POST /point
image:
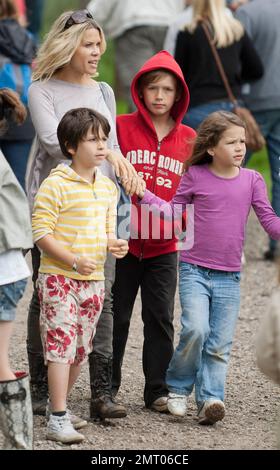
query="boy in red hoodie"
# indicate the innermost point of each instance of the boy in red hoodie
(157, 144)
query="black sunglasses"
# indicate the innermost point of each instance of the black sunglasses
(78, 17)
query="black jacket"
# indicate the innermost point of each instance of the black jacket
(16, 43)
(18, 47)
(240, 60)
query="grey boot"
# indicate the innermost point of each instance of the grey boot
(38, 383)
(16, 419)
(102, 404)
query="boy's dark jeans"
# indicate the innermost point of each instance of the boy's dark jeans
(102, 343)
(157, 278)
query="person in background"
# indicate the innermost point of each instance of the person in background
(156, 143)
(138, 32)
(21, 11)
(64, 73)
(34, 17)
(17, 50)
(71, 273)
(15, 235)
(260, 20)
(235, 4)
(222, 193)
(181, 19)
(194, 55)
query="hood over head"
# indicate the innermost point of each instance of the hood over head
(162, 60)
(16, 43)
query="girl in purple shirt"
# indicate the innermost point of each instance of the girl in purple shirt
(222, 194)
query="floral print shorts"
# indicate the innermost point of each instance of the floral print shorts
(69, 313)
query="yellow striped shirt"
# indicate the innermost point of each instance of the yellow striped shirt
(79, 215)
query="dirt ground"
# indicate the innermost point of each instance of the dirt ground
(251, 400)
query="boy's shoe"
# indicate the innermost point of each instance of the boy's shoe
(160, 404)
(177, 404)
(76, 421)
(213, 410)
(60, 429)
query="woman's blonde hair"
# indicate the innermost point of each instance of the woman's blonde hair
(226, 28)
(61, 44)
(209, 134)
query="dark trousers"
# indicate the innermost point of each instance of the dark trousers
(157, 278)
(102, 342)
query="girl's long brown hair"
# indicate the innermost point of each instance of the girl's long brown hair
(208, 135)
(11, 105)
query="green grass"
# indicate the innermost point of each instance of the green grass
(259, 161)
(54, 8)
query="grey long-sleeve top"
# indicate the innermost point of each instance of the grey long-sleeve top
(48, 102)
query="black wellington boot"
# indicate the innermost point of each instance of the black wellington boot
(102, 404)
(38, 383)
(37, 369)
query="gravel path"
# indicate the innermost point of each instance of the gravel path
(251, 400)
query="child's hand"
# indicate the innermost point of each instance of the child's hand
(142, 188)
(134, 185)
(118, 248)
(130, 185)
(85, 266)
(123, 168)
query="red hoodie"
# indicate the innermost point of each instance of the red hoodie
(160, 163)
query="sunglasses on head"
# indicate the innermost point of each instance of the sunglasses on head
(78, 17)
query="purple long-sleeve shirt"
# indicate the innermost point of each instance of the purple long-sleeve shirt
(221, 209)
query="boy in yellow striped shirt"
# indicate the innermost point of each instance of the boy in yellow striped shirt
(73, 224)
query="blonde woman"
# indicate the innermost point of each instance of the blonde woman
(64, 67)
(193, 53)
